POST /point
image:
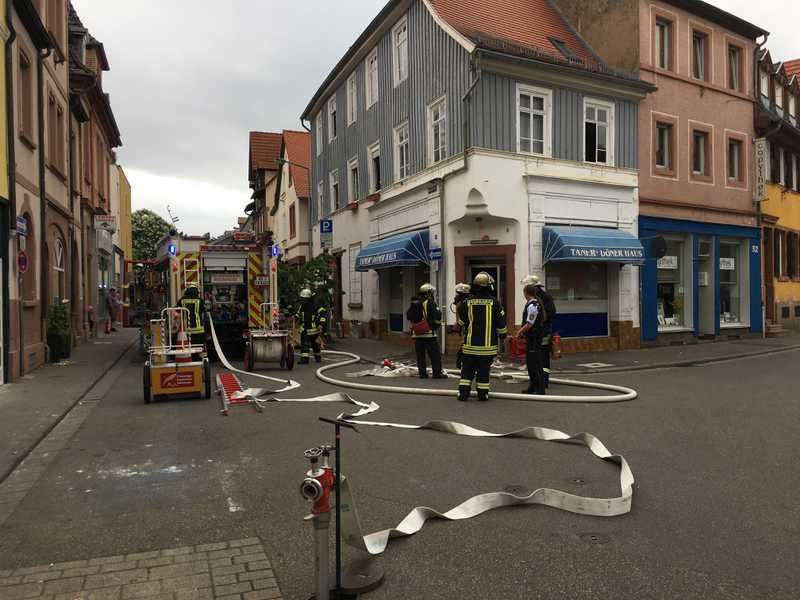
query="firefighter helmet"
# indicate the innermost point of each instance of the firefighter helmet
(462, 288)
(483, 279)
(531, 280)
(426, 288)
(305, 293)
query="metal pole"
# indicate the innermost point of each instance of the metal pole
(337, 487)
(321, 524)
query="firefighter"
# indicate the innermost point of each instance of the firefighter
(462, 293)
(548, 306)
(483, 321)
(532, 327)
(313, 323)
(426, 318)
(195, 325)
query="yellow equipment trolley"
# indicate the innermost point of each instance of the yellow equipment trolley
(174, 367)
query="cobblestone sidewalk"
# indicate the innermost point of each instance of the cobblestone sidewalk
(234, 570)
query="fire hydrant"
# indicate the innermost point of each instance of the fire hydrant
(317, 488)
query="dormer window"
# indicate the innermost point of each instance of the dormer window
(764, 83)
(565, 50)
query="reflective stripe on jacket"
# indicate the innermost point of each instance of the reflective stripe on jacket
(483, 321)
(195, 321)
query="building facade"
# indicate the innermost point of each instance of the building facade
(778, 126)
(289, 212)
(262, 173)
(454, 138)
(695, 160)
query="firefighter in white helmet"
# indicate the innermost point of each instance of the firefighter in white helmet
(546, 316)
(426, 318)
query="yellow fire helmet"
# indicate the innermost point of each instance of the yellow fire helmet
(305, 293)
(531, 280)
(426, 288)
(483, 279)
(462, 288)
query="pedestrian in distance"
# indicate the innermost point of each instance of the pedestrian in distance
(110, 308)
(483, 321)
(532, 322)
(426, 318)
(548, 305)
(313, 321)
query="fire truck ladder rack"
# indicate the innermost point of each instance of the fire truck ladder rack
(228, 385)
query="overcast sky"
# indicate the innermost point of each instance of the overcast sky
(190, 78)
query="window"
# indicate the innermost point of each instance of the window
(774, 163)
(400, 51)
(437, 131)
(56, 23)
(334, 180)
(735, 156)
(332, 119)
(788, 170)
(598, 132)
(352, 180)
(318, 132)
(792, 105)
(355, 296)
(321, 212)
(86, 135)
(671, 291)
(700, 153)
(791, 255)
(25, 98)
(664, 146)
(778, 95)
(796, 172)
(372, 78)
(533, 120)
(61, 154)
(52, 131)
(778, 240)
(401, 148)
(699, 50)
(735, 68)
(764, 83)
(730, 296)
(352, 99)
(663, 43)
(292, 221)
(374, 154)
(57, 280)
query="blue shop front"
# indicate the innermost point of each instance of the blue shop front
(707, 284)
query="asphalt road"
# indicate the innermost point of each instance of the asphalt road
(713, 449)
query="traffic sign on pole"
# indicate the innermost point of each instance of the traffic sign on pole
(22, 261)
(326, 233)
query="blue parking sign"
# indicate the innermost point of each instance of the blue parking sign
(326, 226)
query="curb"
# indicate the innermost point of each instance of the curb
(23, 455)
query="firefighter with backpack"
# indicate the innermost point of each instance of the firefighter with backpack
(426, 318)
(483, 321)
(313, 321)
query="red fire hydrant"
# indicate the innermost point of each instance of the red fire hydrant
(317, 488)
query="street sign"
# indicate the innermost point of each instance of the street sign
(105, 222)
(326, 233)
(172, 249)
(22, 261)
(276, 251)
(435, 254)
(762, 170)
(22, 226)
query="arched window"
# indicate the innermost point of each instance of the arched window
(58, 279)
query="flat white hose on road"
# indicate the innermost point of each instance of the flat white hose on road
(622, 394)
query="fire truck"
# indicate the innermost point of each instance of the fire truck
(236, 277)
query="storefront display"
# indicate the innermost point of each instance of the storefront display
(729, 282)
(671, 290)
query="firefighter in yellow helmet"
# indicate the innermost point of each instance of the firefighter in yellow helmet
(313, 321)
(426, 318)
(483, 321)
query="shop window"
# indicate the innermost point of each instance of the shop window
(672, 294)
(730, 297)
(570, 282)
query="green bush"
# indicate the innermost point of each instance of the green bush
(59, 332)
(316, 274)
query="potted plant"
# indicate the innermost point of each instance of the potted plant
(58, 332)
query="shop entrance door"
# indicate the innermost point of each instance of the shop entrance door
(769, 273)
(494, 267)
(706, 274)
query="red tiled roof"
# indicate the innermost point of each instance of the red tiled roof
(298, 150)
(265, 148)
(792, 67)
(528, 24)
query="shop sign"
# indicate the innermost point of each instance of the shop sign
(22, 226)
(727, 264)
(227, 278)
(177, 380)
(435, 254)
(668, 262)
(762, 170)
(261, 281)
(377, 259)
(105, 222)
(633, 253)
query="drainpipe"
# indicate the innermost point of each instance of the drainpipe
(12, 189)
(42, 184)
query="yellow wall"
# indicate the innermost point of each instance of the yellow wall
(787, 291)
(3, 118)
(783, 204)
(125, 234)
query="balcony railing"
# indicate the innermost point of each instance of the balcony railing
(778, 111)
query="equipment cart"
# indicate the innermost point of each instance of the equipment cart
(270, 343)
(174, 367)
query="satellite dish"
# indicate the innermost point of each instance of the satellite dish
(658, 247)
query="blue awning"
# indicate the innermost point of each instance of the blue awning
(405, 249)
(582, 244)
